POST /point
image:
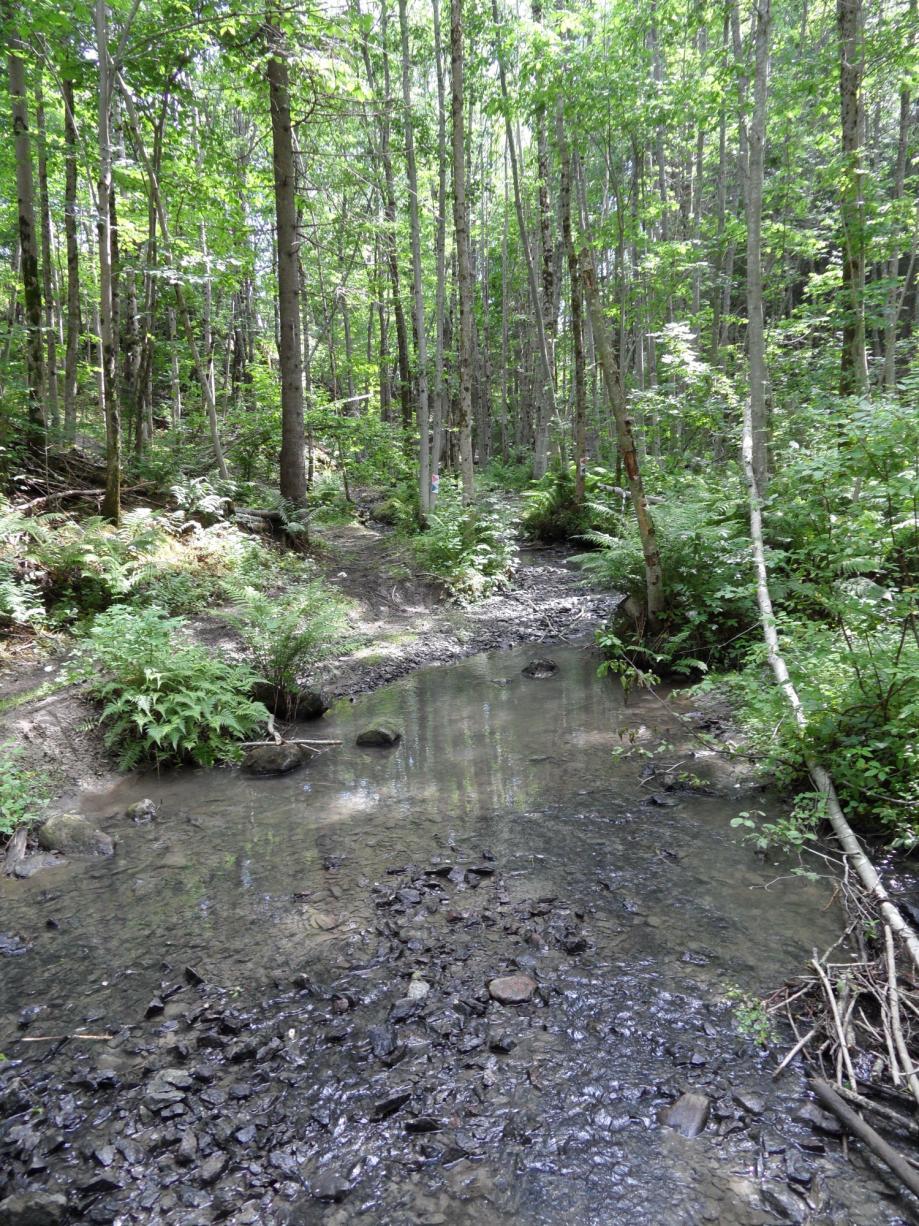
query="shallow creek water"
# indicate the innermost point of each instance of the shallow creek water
(500, 836)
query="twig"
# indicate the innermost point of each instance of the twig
(58, 1038)
(893, 996)
(843, 1046)
(794, 1051)
(292, 741)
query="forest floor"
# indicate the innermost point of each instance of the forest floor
(400, 620)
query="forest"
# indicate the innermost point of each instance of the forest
(342, 340)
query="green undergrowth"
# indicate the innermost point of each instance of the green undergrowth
(842, 538)
(472, 549)
(23, 792)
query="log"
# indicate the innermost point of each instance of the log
(861, 1129)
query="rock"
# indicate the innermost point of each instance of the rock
(749, 1101)
(389, 1105)
(417, 989)
(540, 668)
(783, 1202)
(512, 989)
(811, 1114)
(141, 811)
(74, 836)
(276, 759)
(798, 1170)
(28, 866)
(379, 736)
(33, 1209)
(291, 704)
(330, 1186)
(688, 1115)
(12, 945)
(213, 1168)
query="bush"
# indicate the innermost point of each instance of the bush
(708, 582)
(553, 515)
(287, 635)
(165, 701)
(473, 549)
(22, 792)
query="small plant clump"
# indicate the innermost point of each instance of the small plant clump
(472, 549)
(23, 792)
(163, 699)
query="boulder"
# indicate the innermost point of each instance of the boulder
(74, 836)
(291, 704)
(141, 811)
(33, 1209)
(688, 1115)
(380, 735)
(512, 989)
(540, 668)
(276, 759)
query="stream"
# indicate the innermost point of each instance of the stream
(293, 974)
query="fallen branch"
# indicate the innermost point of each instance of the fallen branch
(290, 741)
(863, 1130)
(60, 1038)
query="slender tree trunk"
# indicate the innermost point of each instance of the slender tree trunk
(53, 415)
(293, 470)
(440, 259)
(853, 378)
(654, 579)
(71, 352)
(577, 324)
(423, 416)
(464, 273)
(547, 398)
(111, 504)
(893, 265)
(28, 245)
(756, 345)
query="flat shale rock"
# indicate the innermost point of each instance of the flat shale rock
(540, 668)
(688, 1115)
(33, 1209)
(512, 989)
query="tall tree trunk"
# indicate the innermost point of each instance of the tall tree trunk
(53, 414)
(464, 272)
(28, 245)
(71, 352)
(756, 346)
(577, 323)
(423, 415)
(293, 470)
(547, 398)
(111, 503)
(853, 378)
(440, 259)
(893, 265)
(654, 578)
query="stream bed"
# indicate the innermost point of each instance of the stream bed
(293, 978)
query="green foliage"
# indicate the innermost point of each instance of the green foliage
(286, 635)
(753, 1018)
(514, 474)
(708, 581)
(472, 549)
(23, 792)
(164, 700)
(552, 513)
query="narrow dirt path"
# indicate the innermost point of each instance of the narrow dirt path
(407, 620)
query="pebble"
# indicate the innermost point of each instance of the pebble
(512, 989)
(688, 1115)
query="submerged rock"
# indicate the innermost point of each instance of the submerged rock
(74, 836)
(276, 759)
(141, 811)
(28, 866)
(380, 736)
(33, 1209)
(512, 989)
(539, 668)
(688, 1115)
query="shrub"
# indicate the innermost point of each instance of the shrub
(553, 515)
(286, 635)
(473, 549)
(164, 700)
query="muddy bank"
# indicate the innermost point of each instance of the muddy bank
(297, 978)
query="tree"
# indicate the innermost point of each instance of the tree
(293, 470)
(854, 369)
(108, 384)
(28, 243)
(756, 344)
(461, 233)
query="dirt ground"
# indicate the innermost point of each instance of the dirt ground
(403, 620)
